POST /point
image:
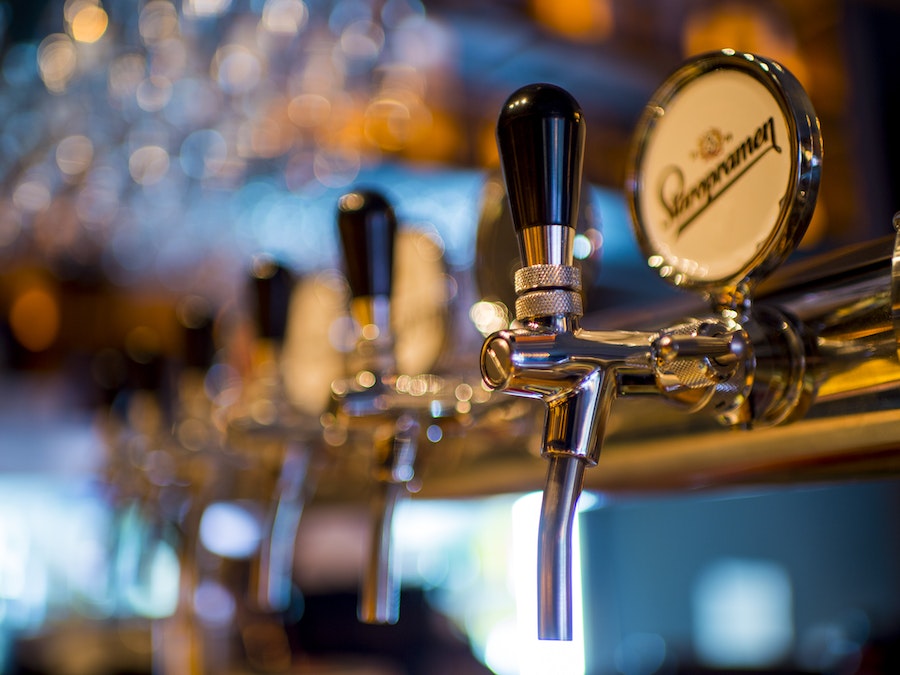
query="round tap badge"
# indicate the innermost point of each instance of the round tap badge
(724, 172)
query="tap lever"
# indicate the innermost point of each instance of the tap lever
(540, 135)
(368, 226)
(271, 286)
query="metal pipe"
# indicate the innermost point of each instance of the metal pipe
(846, 302)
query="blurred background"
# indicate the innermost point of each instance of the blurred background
(159, 159)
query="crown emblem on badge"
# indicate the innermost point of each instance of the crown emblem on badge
(711, 144)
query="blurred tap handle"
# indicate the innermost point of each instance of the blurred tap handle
(540, 137)
(197, 320)
(368, 227)
(271, 285)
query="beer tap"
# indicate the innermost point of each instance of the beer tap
(294, 472)
(742, 363)
(368, 226)
(253, 464)
(377, 405)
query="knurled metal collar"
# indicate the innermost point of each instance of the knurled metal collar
(548, 303)
(534, 277)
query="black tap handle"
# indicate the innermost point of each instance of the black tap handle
(197, 320)
(367, 226)
(540, 135)
(271, 285)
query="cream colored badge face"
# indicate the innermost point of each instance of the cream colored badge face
(715, 176)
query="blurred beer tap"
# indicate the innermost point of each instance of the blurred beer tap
(246, 523)
(165, 456)
(180, 639)
(284, 439)
(377, 405)
(367, 226)
(743, 363)
(141, 473)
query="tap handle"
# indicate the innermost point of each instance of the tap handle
(271, 285)
(367, 227)
(540, 135)
(197, 321)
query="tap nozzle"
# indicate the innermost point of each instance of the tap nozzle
(564, 480)
(392, 471)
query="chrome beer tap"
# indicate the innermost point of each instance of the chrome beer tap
(285, 439)
(367, 226)
(384, 407)
(742, 363)
(260, 470)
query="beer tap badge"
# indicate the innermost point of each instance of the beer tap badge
(724, 170)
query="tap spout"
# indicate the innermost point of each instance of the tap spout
(379, 596)
(573, 434)
(575, 373)
(565, 475)
(295, 486)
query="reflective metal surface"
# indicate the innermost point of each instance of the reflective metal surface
(150, 151)
(843, 300)
(746, 362)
